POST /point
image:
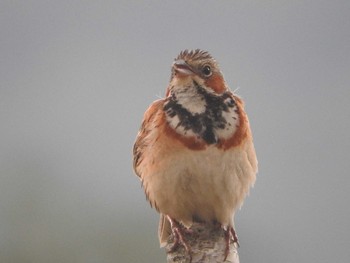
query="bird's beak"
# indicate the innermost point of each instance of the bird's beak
(182, 68)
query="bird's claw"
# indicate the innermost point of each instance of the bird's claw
(179, 239)
(230, 234)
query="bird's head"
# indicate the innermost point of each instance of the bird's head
(199, 66)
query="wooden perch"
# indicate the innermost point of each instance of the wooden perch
(207, 243)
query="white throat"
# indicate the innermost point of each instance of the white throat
(189, 98)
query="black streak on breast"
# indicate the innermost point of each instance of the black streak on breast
(203, 124)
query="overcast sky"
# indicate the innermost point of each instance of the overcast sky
(76, 78)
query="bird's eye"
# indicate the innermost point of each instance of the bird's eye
(206, 70)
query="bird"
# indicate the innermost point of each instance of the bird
(194, 152)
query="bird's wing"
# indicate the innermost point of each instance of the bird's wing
(142, 140)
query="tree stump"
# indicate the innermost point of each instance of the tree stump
(207, 243)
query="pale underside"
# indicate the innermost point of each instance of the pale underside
(207, 185)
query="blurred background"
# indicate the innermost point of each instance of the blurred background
(76, 78)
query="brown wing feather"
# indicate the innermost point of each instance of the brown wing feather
(141, 141)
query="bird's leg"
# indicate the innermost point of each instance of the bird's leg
(178, 236)
(230, 233)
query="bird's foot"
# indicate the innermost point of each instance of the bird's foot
(177, 231)
(230, 234)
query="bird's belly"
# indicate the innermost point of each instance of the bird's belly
(205, 185)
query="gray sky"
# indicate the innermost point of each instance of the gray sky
(76, 78)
